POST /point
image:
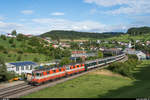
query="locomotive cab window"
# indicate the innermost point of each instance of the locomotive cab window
(67, 68)
(47, 72)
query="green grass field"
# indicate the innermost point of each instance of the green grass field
(101, 86)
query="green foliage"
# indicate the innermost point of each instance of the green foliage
(4, 75)
(132, 57)
(14, 32)
(13, 45)
(100, 54)
(138, 31)
(55, 34)
(19, 58)
(5, 51)
(21, 37)
(36, 59)
(20, 52)
(65, 61)
(2, 48)
(3, 37)
(11, 41)
(125, 68)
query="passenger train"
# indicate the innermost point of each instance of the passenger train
(39, 77)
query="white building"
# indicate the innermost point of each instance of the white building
(141, 55)
(130, 46)
(9, 35)
(21, 67)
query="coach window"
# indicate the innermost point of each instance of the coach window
(59, 70)
(38, 74)
(47, 72)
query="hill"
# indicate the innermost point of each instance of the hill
(61, 34)
(138, 30)
(23, 48)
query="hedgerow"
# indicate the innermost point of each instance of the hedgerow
(125, 68)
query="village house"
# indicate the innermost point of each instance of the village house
(10, 35)
(28, 35)
(147, 42)
(140, 54)
(114, 51)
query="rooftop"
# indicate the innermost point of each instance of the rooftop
(23, 63)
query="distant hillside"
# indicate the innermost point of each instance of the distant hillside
(61, 34)
(138, 30)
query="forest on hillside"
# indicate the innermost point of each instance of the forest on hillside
(61, 34)
(138, 30)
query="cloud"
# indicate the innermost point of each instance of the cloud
(27, 12)
(41, 25)
(8, 27)
(1, 18)
(57, 14)
(93, 11)
(126, 6)
(62, 24)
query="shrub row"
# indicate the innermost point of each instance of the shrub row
(125, 68)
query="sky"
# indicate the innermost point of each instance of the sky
(39, 16)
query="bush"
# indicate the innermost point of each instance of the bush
(2, 48)
(19, 58)
(125, 68)
(20, 52)
(11, 40)
(3, 37)
(13, 45)
(36, 59)
(6, 52)
(9, 55)
(121, 68)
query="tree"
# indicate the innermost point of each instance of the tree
(14, 32)
(3, 37)
(19, 58)
(100, 54)
(11, 41)
(65, 61)
(2, 48)
(13, 45)
(3, 70)
(21, 37)
(36, 59)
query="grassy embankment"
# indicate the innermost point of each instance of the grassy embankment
(101, 86)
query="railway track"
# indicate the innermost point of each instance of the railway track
(5, 94)
(24, 89)
(12, 87)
